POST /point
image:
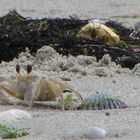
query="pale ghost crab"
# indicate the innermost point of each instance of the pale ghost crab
(29, 88)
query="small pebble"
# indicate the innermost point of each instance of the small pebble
(107, 113)
(14, 115)
(95, 133)
(114, 81)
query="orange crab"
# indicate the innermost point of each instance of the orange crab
(29, 88)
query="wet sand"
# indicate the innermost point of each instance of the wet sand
(127, 11)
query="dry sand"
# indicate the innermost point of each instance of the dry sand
(87, 76)
(83, 72)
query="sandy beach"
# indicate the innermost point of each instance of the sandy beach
(58, 124)
(54, 124)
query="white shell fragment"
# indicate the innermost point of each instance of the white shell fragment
(95, 133)
(14, 115)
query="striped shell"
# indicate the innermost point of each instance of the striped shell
(101, 101)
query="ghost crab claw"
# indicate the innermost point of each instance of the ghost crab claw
(27, 88)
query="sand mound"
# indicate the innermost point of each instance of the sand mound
(47, 62)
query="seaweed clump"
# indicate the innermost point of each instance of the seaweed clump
(10, 132)
(18, 32)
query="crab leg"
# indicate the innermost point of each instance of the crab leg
(54, 91)
(35, 91)
(57, 89)
(63, 87)
(4, 98)
(28, 98)
(76, 93)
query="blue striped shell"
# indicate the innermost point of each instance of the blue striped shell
(101, 101)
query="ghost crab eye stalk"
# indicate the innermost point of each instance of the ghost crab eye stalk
(17, 68)
(29, 69)
(18, 72)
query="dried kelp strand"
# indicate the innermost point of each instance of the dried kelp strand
(120, 103)
(106, 106)
(100, 106)
(115, 104)
(95, 107)
(101, 101)
(111, 106)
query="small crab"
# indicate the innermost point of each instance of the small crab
(29, 88)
